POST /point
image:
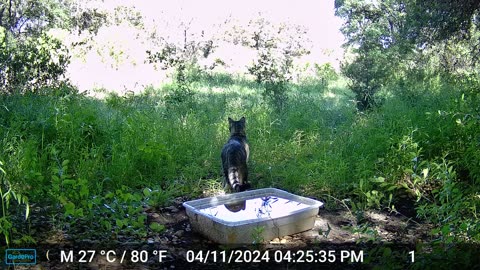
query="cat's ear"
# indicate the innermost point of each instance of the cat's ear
(242, 119)
(230, 120)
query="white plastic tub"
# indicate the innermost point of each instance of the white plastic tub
(252, 216)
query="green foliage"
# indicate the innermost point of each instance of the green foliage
(257, 235)
(367, 74)
(161, 198)
(277, 46)
(369, 196)
(31, 64)
(10, 192)
(183, 59)
(30, 17)
(273, 72)
(30, 59)
(73, 194)
(367, 32)
(325, 73)
(392, 40)
(90, 19)
(182, 91)
(430, 21)
(158, 228)
(388, 257)
(127, 211)
(185, 71)
(451, 210)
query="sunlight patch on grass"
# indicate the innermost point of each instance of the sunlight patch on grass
(328, 94)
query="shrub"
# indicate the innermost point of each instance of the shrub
(32, 63)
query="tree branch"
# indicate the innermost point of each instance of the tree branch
(1, 15)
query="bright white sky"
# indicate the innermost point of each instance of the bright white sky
(93, 72)
(317, 15)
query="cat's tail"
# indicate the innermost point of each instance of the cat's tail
(234, 178)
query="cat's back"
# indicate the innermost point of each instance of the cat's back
(233, 145)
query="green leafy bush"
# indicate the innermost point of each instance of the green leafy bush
(273, 71)
(32, 63)
(9, 192)
(325, 73)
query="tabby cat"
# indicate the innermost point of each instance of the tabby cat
(235, 156)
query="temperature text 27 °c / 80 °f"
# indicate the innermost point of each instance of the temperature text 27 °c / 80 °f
(111, 256)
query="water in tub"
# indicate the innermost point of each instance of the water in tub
(264, 207)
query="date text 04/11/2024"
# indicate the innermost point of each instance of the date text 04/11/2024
(278, 256)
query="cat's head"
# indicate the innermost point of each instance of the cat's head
(237, 127)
